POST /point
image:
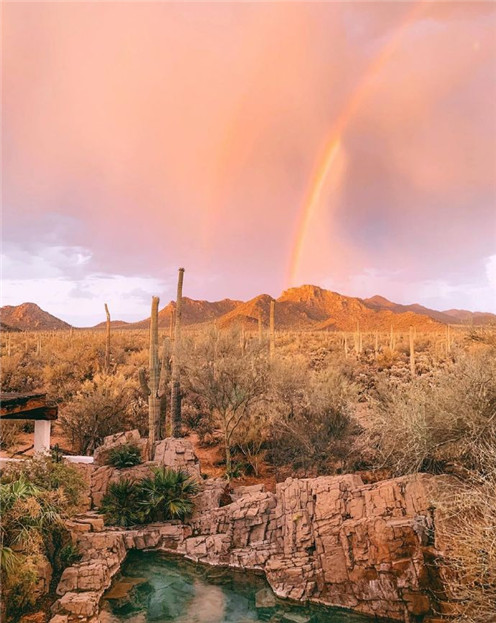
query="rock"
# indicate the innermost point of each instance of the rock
(265, 598)
(177, 454)
(239, 492)
(330, 539)
(35, 617)
(102, 453)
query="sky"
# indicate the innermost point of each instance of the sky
(350, 145)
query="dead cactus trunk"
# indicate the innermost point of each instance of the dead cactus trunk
(412, 352)
(272, 344)
(176, 374)
(107, 340)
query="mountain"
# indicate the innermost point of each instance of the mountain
(471, 318)
(5, 328)
(115, 324)
(379, 303)
(30, 317)
(306, 307)
(311, 307)
(193, 312)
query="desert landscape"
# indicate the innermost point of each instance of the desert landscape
(313, 388)
(248, 311)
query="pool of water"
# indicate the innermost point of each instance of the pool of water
(163, 589)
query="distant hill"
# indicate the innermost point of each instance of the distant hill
(380, 303)
(116, 324)
(471, 318)
(30, 317)
(305, 307)
(312, 307)
(193, 312)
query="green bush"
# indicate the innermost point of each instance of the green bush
(127, 455)
(122, 505)
(167, 494)
(49, 475)
(19, 588)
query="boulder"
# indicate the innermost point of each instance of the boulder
(101, 454)
(177, 454)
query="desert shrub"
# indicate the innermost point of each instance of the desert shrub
(438, 421)
(167, 494)
(229, 383)
(32, 530)
(312, 424)
(20, 373)
(126, 455)
(99, 408)
(10, 434)
(48, 475)
(467, 531)
(19, 588)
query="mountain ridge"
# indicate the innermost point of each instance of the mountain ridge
(298, 308)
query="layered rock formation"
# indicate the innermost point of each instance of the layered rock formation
(331, 540)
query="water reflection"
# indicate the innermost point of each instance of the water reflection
(160, 589)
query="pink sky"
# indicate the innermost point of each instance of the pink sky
(139, 137)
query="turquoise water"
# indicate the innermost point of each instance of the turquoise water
(163, 589)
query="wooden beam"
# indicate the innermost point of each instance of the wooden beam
(42, 413)
(16, 403)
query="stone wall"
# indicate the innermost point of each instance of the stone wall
(331, 540)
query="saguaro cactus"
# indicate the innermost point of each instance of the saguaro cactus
(391, 339)
(448, 339)
(107, 340)
(272, 344)
(412, 351)
(358, 339)
(154, 390)
(176, 374)
(260, 328)
(242, 340)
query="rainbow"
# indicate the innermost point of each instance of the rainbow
(333, 144)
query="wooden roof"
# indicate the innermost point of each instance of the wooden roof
(32, 406)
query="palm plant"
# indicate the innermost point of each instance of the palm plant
(167, 494)
(123, 504)
(127, 455)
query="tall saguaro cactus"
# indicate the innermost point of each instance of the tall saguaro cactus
(412, 351)
(107, 340)
(272, 346)
(154, 390)
(260, 328)
(176, 349)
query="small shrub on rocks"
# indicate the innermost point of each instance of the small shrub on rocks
(127, 455)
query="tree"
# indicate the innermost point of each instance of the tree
(230, 384)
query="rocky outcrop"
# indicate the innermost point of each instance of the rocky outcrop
(170, 452)
(331, 540)
(130, 437)
(177, 454)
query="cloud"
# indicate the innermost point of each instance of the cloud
(53, 284)
(146, 136)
